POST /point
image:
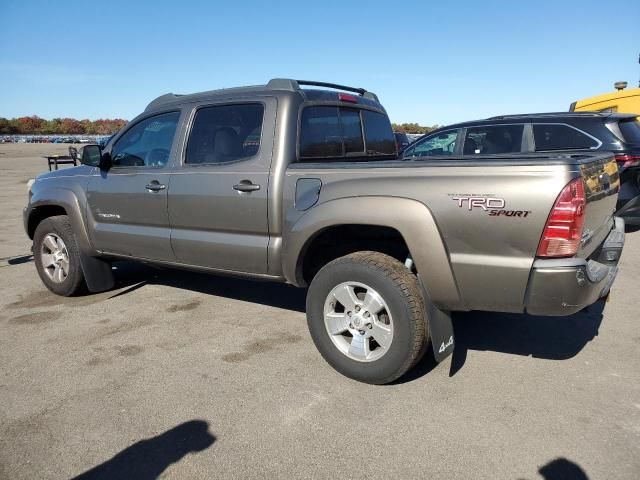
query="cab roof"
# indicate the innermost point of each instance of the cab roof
(274, 85)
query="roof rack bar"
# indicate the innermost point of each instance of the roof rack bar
(360, 91)
(288, 84)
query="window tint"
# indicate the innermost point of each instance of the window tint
(560, 137)
(378, 134)
(351, 131)
(630, 130)
(320, 134)
(225, 133)
(443, 143)
(494, 139)
(335, 132)
(147, 143)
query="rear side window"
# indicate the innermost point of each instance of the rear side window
(338, 132)
(560, 137)
(630, 129)
(493, 139)
(225, 133)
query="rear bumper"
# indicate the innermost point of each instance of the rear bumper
(567, 285)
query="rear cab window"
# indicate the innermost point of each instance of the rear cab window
(550, 136)
(340, 132)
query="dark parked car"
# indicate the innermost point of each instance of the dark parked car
(547, 132)
(402, 141)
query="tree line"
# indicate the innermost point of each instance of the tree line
(35, 125)
(412, 128)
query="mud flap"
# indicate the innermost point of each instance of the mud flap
(97, 273)
(440, 328)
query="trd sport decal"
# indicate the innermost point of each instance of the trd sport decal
(494, 206)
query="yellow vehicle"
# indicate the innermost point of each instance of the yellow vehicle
(623, 101)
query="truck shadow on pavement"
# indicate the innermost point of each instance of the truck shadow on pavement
(552, 338)
(148, 458)
(132, 276)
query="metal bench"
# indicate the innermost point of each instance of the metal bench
(57, 160)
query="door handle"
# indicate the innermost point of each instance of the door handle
(155, 186)
(246, 186)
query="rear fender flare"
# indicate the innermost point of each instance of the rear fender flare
(412, 219)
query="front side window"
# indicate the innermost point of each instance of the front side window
(560, 137)
(443, 143)
(225, 133)
(146, 144)
(337, 132)
(493, 140)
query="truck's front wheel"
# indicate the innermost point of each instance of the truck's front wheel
(366, 316)
(56, 256)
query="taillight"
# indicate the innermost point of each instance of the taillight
(563, 231)
(625, 160)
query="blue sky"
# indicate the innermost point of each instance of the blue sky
(429, 62)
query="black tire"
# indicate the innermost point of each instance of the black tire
(400, 290)
(59, 226)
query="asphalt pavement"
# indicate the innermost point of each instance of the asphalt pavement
(184, 375)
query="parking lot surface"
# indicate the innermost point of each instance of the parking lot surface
(184, 375)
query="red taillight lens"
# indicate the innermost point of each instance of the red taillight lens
(563, 231)
(626, 160)
(345, 97)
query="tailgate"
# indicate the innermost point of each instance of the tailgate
(602, 183)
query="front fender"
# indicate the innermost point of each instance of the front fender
(411, 218)
(67, 199)
(97, 272)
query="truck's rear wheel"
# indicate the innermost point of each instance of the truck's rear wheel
(366, 316)
(56, 256)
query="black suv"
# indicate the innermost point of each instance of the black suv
(543, 132)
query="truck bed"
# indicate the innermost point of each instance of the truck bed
(489, 214)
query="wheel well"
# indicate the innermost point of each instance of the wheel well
(341, 240)
(40, 213)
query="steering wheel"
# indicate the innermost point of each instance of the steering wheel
(157, 157)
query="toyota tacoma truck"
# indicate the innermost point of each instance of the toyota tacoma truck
(300, 182)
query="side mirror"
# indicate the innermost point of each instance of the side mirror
(91, 155)
(105, 161)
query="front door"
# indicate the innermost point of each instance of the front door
(128, 203)
(219, 191)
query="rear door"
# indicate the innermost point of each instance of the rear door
(219, 189)
(128, 202)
